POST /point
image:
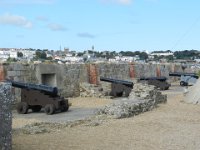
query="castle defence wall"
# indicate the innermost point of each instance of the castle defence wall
(67, 78)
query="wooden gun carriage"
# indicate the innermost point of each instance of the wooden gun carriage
(158, 82)
(119, 87)
(38, 96)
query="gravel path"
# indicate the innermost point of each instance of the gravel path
(81, 108)
(73, 114)
(174, 125)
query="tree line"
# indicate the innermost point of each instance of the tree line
(185, 54)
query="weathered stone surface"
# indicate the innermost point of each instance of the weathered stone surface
(126, 108)
(142, 98)
(5, 116)
(91, 90)
(144, 91)
(69, 77)
(12, 73)
(117, 71)
(192, 94)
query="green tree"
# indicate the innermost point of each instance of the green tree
(19, 54)
(186, 54)
(40, 54)
(80, 54)
(170, 58)
(143, 56)
(11, 60)
(49, 58)
(127, 53)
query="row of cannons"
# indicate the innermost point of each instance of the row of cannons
(121, 87)
(38, 96)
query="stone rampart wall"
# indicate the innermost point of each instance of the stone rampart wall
(68, 77)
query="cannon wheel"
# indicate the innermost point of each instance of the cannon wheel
(182, 83)
(22, 108)
(49, 109)
(36, 108)
(126, 93)
(64, 106)
(167, 87)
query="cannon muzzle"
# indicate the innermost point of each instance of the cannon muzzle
(39, 87)
(162, 79)
(179, 74)
(123, 82)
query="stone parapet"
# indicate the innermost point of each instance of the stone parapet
(69, 77)
(142, 98)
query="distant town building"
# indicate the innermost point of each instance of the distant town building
(66, 50)
(73, 59)
(57, 57)
(123, 59)
(13, 54)
(162, 53)
(28, 54)
(4, 55)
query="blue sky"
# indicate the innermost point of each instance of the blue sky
(113, 25)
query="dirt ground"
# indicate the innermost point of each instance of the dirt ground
(89, 102)
(174, 125)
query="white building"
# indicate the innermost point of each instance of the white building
(125, 58)
(49, 55)
(4, 55)
(13, 54)
(28, 54)
(73, 59)
(162, 54)
(57, 58)
(112, 60)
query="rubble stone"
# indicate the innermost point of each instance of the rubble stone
(91, 90)
(142, 98)
(145, 91)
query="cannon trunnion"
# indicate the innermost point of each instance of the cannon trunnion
(119, 87)
(38, 96)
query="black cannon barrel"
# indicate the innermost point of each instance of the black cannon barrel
(40, 87)
(179, 74)
(154, 78)
(127, 83)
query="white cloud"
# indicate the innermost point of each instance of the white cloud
(86, 35)
(15, 20)
(56, 27)
(124, 2)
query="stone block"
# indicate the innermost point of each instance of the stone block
(5, 116)
(11, 73)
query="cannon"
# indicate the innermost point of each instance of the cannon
(119, 88)
(158, 82)
(185, 78)
(38, 96)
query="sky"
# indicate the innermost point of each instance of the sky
(113, 25)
